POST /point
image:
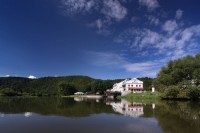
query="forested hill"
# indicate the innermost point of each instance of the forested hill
(52, 86)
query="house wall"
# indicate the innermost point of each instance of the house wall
(139, 85)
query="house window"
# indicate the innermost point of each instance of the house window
(139, 85)
(132, 85)
(136, 85)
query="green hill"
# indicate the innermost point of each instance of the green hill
(53, 86)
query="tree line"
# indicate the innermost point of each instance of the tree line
(58, 86)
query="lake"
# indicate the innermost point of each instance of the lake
(79, 115)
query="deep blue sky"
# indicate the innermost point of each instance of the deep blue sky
(104, 39)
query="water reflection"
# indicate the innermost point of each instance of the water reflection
(81, 99)
(127, 108)
(28, 114)
(64, 115)
(78, 99)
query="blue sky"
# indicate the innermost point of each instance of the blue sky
(106, 39)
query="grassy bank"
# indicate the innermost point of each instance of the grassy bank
(146, 97)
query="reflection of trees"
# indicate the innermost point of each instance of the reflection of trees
(175, 117)
(52, 106)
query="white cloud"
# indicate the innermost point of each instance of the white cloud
(179, 14)
(114, 9)
(78, 6)
(150, 4)
(138, 38)
(170, 26)
(31, 77)
(179, 41)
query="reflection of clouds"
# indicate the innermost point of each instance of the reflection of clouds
(127, 108)
(27, 114)
(2, 115)
(144, 126)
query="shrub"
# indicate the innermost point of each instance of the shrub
(171, 92)
(193, 93)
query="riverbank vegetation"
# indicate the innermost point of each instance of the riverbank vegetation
(146, 97)
(57, 86)
(180, 79)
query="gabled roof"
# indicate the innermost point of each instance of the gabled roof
(134, 80)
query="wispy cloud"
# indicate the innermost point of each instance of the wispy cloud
(170, 26)
(106, 59)
(170, 38)
(179, 14)
(153, 20)
(134, 19)
(150, 4)
(109, 12)
(113, 60)
(78, 6)
(114, 9)
(102, 25)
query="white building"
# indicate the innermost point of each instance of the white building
(128, 85)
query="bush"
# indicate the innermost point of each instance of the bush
(193, 93)
(171, 92)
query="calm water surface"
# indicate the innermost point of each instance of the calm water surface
(51, 115)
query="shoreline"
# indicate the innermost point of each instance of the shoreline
(85, 96)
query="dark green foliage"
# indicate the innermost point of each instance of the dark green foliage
(8, 92)
(180, 78)
(171, 92)
(193, 93)
(187, 68)
(66, 89)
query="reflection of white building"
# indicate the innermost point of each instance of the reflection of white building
(127, 108)
(78, 99)
(128, 85)
(27, 114)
